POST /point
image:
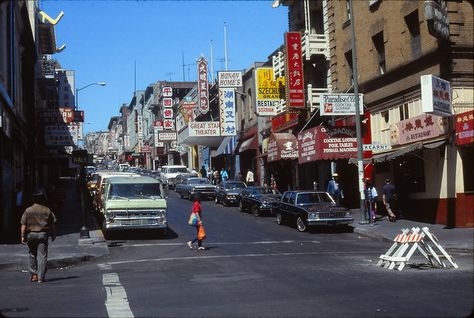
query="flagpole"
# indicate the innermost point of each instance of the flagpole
(225, 44)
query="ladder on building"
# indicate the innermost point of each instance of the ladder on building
(408, 242)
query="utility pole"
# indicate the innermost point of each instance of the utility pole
(360, 163)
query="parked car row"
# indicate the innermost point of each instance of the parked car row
(305, 209)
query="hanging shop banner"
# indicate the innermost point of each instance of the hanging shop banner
(167, 102)
(187, 110)
(168, 113)
(321, 143)
(282, 146)
(204, 128)
(294, 67)
(230, 79)
(465, 128)
(203, 85)
(167, 91)
(227, 111)
(269, 91)
(66, 88)
(340, 104)
(168, 124)
(418, 128)
(167, 135)
(435, 95)
(62, 135)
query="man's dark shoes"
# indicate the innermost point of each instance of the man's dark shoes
(34, 278)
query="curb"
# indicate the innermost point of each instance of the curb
(381, 238)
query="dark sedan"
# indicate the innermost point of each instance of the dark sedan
(311, 208)
(192, 187)
(228, 192)
(259, 200)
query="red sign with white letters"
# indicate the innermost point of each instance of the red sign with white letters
(294, 67)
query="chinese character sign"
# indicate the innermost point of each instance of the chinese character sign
(167, 91)
(227, 111)
(435, 95)
(294, 67)
(168, 113)
(203, 92)
(167, 102)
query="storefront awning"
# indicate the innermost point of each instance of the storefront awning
(227, 146)
(282, 146)
(387, 156)
(249, 144)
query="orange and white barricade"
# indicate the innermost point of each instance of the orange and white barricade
(407, 242)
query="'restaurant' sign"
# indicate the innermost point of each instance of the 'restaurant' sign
(269, 91)
(294, 67)
(320, 143)
(230, 79)
(465, 128)
(417, 128)
(203, 85)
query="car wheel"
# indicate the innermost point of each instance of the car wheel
(241, 207)
(280, 219)
(190, 196)
(181, 195)
(300, 225)
(105, 232)
(224, 202)
(255, 211)
(216, 200)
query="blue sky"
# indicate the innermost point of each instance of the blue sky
(104, 39)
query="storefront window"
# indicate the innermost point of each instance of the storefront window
(412, 174)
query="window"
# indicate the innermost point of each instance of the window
(293, 198)
(285, 197)
(380, 49)
(413, 26)
(404, 114)
(348, 10)
(348, 56)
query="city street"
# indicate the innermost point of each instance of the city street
(252, 267)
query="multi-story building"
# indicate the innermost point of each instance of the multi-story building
(398, 42)
(27, 86)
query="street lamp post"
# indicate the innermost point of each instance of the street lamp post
(82, 180)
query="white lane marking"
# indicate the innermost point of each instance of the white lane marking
(104, 267)
(218, 243)
(204, 257)
(116, 302)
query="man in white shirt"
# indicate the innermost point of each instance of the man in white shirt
(249, 178)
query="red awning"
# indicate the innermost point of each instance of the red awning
(249, 144)
(282, 146)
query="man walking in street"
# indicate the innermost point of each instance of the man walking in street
(388, 196)
(37, 224)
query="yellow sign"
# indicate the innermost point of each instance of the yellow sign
(269, 91)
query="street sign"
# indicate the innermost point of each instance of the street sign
(372, 147)
(80, 157)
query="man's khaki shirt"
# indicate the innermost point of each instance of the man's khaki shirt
(38, 218)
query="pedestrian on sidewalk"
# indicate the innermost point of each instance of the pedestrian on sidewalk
(388, 197)
(249, 179)
(203, 172)
(197, 211)
(216, 177)
(224, 175)
(37, 224)
(371, 195)
(335, 189)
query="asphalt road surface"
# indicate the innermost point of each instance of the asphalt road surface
(251, 267)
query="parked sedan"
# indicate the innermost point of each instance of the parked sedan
(259, 200)
(228, 192)
(311, 208)
(192, 187)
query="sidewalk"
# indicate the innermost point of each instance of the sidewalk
(452, 239)
(68, 249)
